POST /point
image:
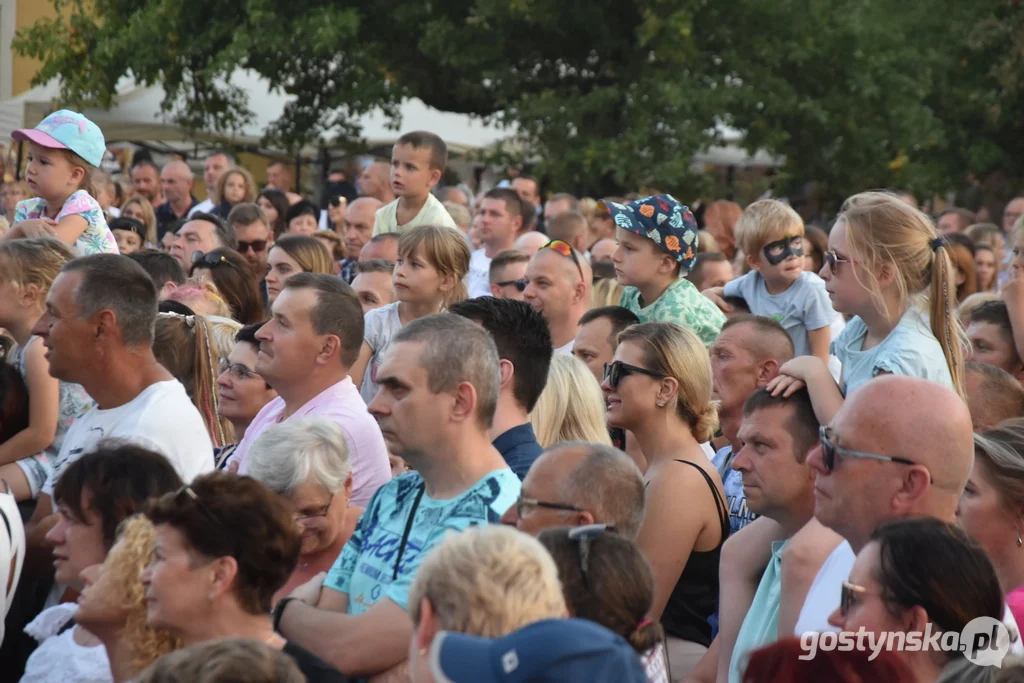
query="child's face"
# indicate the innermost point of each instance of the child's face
(415, 278)
(128, 242)
(234, 188)
(847, 292)
(411, 174)
(49, 173)
(637, 259)
(781, 261)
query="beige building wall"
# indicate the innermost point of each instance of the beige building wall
(16, 72)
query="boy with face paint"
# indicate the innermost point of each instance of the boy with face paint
(777, 286)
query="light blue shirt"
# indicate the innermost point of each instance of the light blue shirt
(761, 625)
(732, 483)
(910, 349)
(801, 307)
(366, 567)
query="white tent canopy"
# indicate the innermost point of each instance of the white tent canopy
(136, 116)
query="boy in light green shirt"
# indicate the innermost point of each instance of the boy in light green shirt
(417, 163)
(657, 241)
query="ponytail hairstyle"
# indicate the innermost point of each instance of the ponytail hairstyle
(446, 250)
(676, 352)
(882, 229)
(183, 345)
(618, 589)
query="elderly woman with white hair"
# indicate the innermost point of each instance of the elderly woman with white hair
(305, 462)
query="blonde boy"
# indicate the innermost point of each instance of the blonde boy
(771, 234)
(417, 163)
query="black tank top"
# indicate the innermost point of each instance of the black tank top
(695, 597)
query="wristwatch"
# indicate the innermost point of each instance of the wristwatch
(279, 611)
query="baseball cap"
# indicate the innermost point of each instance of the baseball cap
(662, 219)
(553, 650)
(66, 129)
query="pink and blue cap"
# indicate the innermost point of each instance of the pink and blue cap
(66, 129)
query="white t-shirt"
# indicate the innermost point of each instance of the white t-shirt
(59, 659)
(161, 418)
(432, 213)
(565, 350)
(478, 279)
(381, 324)
(205, 206)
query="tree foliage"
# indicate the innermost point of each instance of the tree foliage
(605, 94)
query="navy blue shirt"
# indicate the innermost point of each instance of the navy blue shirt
(519, 447)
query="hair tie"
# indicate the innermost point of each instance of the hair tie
(937, 242)
(190, 320)
(644, 623)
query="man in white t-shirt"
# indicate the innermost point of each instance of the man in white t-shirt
(217, 161)
(904, 448)
(98, 331)
(499, 218)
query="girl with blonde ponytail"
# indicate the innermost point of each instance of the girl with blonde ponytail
(658, 386)
(888, 267)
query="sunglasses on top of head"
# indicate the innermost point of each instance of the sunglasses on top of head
(565, 249)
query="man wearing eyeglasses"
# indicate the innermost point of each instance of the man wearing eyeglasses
(508, 274)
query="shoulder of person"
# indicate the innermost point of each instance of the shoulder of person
(49, 622)
(80, 201)
(676, 477)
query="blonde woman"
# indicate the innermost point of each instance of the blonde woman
(111, 612)
(141, 210)
(658, 386)
(607, 292)
(571, 407)
(486, 581)
(235, 186)
(294, 254)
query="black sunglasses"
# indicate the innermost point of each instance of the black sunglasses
(520, 284)
(582, 536)
(615, 371)
(208, 260)
(256, 245)
(848, 596)
(829, 451)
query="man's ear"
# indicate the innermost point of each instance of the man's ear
(507, 371)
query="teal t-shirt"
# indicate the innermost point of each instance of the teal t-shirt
(681, 304)
(761, 625)
(365, 570)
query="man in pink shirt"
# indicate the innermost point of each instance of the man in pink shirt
(306, 350)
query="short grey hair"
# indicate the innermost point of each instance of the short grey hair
(606, 483)
(288, 454)
(118, 284)
(457, 350)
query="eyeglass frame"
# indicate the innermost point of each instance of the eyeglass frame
(520, 284)
(829, 450)
(522, 502)
(326, 511)
(236, 369)
(625, 370)
(551, 244)
(846, 596)
(582, 535)
(834, 260)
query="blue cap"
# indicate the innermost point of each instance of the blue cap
(556, 650)
(662, 219)
(66, 129)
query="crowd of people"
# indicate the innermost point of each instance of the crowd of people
(425, 433)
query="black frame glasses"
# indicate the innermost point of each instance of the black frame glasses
(522, 502)
(258, 246)
(520, 284)
(829, 450)
(582, 536)
(238, 371)
(565, 249)
(615, 371)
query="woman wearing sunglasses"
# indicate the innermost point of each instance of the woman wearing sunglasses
(224, 546)
(658, 386)
(915, 573)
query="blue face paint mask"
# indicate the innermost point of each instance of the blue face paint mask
(778, 251)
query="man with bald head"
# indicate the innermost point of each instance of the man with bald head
(357, 230)
(176, 183)
(993, 395)
(530, 242)
(375, 182)
(900, 447)
(575, 483)
(745, 356)
(559, 286)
